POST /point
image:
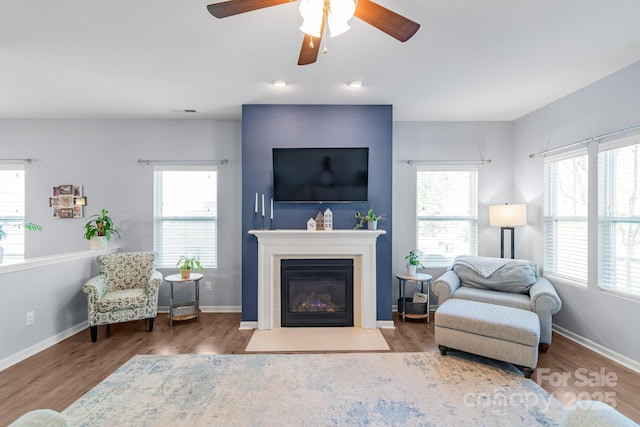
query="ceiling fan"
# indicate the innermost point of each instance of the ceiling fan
(317, 13)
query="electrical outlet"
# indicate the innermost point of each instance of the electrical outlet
(31, 318)
(207, 286)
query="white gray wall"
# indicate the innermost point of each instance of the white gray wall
(452, 141)
(596, 317)
(102, 157)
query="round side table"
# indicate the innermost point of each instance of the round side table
(185, 310)
(421, 279)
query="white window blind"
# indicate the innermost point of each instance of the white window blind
(619, 218)
(12, 203)
(185, 215)
(447, 214)
(566, 217)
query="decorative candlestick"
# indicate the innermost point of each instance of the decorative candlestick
(271, 222)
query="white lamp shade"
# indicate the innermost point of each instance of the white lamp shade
(312, 12)
(507, 215)
(340, 13)
(337, 26)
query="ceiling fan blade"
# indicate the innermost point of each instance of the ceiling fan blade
(235, 7)
(310, 47)
(309, 50)
(397, 26)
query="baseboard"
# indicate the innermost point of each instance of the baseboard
(42, 345)
(608, 353)
(210, 309)
(385, 324)
(221, 309)
(248, 325)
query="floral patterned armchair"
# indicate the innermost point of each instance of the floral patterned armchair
(126, 289)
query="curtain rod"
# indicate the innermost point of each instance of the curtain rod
(182, 162)
(448, 162)
(16, 160)
(585, 141)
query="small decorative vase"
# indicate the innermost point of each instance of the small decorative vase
(185, 273)
(372, 225)
(411, 269)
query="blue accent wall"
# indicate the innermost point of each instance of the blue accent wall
(306, 126)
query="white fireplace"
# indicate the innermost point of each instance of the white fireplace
(275, 245)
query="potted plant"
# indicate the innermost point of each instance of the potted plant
(99, 229)
(370, 218)
(3, 234)
(187, 264)
(413, 262)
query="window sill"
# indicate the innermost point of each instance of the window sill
(37, 262)
(564, 281)
(620, 294)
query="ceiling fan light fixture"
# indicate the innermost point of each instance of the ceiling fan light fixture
(279, 83)
(337, 27)
(312, 12)
(340, 12)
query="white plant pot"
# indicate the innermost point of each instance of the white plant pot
(411, 269)
(1, 254)
(98, 243)
(372, 225)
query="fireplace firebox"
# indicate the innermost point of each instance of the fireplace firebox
(316, 292)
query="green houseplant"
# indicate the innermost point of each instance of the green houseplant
(27, 226)
(370, 218)
(187, 264)
(3, 234)
(99, 229)
(413, 262)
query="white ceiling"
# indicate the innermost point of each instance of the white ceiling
(470, 60)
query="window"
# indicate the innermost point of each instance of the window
(447, 214)
(619, 218)
(185, 218)
(12, 211)
(565, 217)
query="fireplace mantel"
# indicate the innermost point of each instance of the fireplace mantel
(274, 245)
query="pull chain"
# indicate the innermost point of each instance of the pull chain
(326, 36)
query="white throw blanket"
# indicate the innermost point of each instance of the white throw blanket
(484, 266)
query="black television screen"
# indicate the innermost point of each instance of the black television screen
(316, 175)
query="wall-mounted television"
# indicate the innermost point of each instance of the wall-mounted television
(320, 175)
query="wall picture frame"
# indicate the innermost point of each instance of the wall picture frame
(65, 212)
(67, 201)
(66, 189)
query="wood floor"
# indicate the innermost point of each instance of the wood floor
(56, 377)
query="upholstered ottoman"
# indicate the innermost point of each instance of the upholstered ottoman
(495, 331)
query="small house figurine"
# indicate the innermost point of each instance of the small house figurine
(319, 221)
(311, 224)
(328, 220)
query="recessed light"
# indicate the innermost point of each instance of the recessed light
(177, 110)
(279, 83)
(356, 83)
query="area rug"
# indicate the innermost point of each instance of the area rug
(339, 389)
(317, 339)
